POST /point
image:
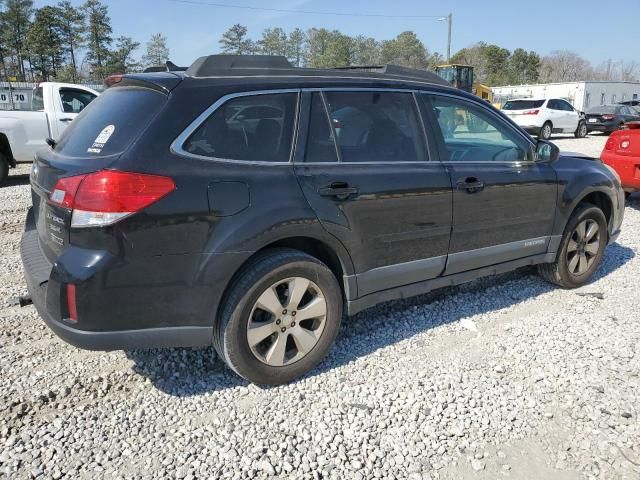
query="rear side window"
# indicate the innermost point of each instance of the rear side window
(522, 104)
(376, 126)
(255, 127)
(111, 122)
(37, 100)
(320, 139)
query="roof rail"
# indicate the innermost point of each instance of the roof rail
(397, 71)
(169, 66)
(212, 64)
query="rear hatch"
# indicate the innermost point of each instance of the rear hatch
(93, 142)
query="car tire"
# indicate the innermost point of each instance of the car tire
(581, 131)
(579, 244)
(4, 169)
(545, 131)
(284, 345)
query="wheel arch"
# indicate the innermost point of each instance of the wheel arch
(332, 254)
(5, 150)
(600, 199)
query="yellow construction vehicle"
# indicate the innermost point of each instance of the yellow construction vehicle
(461, 76)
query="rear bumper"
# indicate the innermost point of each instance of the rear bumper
(601, 127)
(45, 293)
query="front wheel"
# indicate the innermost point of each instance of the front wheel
(581, 249)
(581, 131)
(280, 317)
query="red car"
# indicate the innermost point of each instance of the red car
(622, 153)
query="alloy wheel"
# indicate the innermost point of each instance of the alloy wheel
(286, 321)
(583, 247)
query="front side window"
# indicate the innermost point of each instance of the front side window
(566, 106)
(255, 128)
(376, 126)
(472, 134)
(74, 101)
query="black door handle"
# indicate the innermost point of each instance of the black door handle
(470, 184)
(340, 190)
(66, 119)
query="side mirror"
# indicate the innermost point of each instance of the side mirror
(546, 151)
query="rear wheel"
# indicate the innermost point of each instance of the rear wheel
(545, 131)
(581, 131)
(4, 169)
(280, 317)
(581, 249)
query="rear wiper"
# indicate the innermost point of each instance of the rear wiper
(51, 142)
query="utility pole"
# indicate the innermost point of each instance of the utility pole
(449, 18)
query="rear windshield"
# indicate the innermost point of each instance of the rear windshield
(522, 104)
(111, 122)
(604, 109)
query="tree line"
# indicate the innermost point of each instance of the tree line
(493, 64)
(64, 43)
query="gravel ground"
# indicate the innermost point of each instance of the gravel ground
(506, 377)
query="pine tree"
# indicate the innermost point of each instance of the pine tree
(235, 41)
(295, 46)
(44, 42)
(17, 20)
(72, 28)
(121, 59)
(97, 36)
(157, 51)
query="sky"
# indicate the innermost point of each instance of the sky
(588, 27)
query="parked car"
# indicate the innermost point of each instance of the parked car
(157, 222)
(609, 118)
(23, 132)
(635, 104)
(622, 153)
(545, 116)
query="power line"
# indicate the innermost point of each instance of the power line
(307, 12)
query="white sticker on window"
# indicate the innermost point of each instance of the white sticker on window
(102, 139)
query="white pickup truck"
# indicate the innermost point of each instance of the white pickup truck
(23, 132)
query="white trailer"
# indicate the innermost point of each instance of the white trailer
(581, 95)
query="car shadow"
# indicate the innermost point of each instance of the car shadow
(186, 372)
(14, 180)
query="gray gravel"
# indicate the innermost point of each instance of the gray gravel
(506, 377)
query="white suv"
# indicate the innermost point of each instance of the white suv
(545, 116)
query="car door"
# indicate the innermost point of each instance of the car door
(558, 115)
(503, 202)
(72, 102)
(364, 166)
(572, 117)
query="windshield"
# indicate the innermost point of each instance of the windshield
(604, 109)
(522, 104)
(110, 123)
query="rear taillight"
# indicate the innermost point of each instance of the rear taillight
(531, 112)
(607, 116)
(611, 144)
(104, 197)
(72, 308)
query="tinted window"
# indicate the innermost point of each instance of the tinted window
(320, 144)
(522, 104)
(255, 127)
(376, 126)
(554, 105)
(565, 105)
(472, 134)
(122, 111)
(74, 101)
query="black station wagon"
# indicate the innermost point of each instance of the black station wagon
(248, 204)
